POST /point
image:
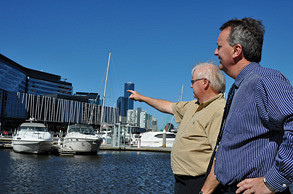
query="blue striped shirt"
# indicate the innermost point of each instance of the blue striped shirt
(258, 135)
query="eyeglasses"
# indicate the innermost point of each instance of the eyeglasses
(195, 80)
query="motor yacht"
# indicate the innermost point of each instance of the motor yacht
(81, 139)
(32, 137)
(155, 139)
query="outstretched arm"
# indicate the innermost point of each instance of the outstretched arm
(161, 105)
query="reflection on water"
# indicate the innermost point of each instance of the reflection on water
(107, 172)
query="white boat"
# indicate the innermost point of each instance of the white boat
(155, 139)
(106, 135)
(81, 139)
(32, 138)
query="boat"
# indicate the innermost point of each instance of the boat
(81, 139)
(155, 139)
(106, 135)
(32, 137)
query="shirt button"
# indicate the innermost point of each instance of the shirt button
(284, 185)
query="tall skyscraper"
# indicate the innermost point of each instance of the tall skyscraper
(129, 103)
(123, 102)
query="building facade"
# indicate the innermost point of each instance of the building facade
(16, 78)
(26, 93)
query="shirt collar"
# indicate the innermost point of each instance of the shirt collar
(206, 103)
(244, 72)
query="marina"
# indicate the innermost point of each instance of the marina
(109, 171)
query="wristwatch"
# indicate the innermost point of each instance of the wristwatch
(200, 192)
(269, 186)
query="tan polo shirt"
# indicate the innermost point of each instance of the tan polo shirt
(197, 135)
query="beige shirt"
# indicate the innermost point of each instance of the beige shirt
(197, 135)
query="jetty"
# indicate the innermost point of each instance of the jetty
(5, 143)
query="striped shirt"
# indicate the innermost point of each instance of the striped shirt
(258, 134)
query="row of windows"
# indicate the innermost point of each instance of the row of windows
(11, 79)
(14, 80)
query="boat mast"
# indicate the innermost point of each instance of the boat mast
(181, 95)
(104, 95)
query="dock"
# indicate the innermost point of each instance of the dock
(5, 143)
(134, 148)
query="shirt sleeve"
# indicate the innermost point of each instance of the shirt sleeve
(179, 110)
(275, 104)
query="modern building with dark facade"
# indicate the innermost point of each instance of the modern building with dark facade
(26, 93)
(123, 102)
(16, 78)
(129, 103)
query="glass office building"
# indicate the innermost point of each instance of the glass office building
(123, 102)
(129, 103)
(16, 78)
(27, 93)
(11, 79)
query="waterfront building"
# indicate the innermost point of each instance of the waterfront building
(16, 78)
(26, 93)
(93, 98)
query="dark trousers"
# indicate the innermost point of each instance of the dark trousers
(188, 184)
(221, 189)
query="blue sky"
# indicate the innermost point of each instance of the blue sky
(154, 43)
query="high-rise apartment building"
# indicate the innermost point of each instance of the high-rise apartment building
(123, 102)
(129, 103)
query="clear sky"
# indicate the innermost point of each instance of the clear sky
(154, 43)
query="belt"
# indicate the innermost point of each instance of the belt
(181, 178)
(227, 188)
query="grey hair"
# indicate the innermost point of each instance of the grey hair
(249, 33)
(212, 73)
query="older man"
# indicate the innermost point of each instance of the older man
(199, 126)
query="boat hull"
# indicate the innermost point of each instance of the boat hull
(82, 145)
(34, 147)
(155, 139)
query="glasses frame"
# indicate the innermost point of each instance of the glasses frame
(195, 80)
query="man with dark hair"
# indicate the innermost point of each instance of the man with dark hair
(254, 148)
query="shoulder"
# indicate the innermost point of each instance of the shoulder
(183, 105)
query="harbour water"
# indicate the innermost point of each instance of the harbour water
(106, 172)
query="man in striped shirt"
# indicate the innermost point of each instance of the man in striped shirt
(255, 153)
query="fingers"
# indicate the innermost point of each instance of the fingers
(245, 185)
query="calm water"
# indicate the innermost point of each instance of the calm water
(106, 172)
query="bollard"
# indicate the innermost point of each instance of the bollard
(138, 143)
(164, 139)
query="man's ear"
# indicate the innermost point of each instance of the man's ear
(237, 51)
(207, 84)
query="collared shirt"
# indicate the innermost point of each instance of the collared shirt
(258, 134)
(197, 135)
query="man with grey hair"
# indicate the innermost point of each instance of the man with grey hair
(199, 126)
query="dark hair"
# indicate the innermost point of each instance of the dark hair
(249, 33)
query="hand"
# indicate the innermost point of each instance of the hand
(253, 185)
(135, 95)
